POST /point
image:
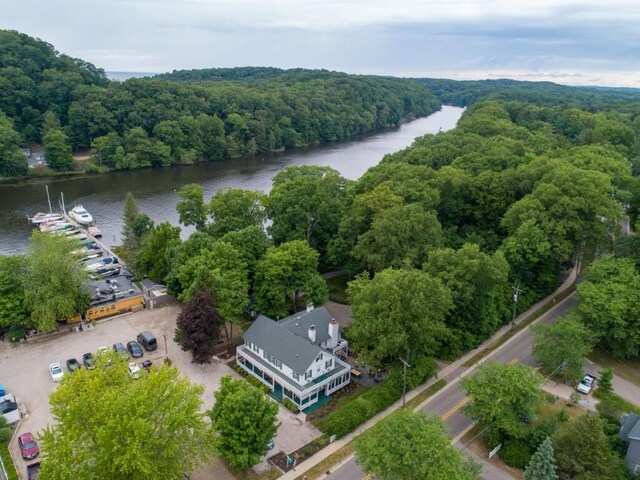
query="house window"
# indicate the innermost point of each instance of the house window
(327, 364)
(296, 376)
(255, 347)
(319, 357)
(307, 375)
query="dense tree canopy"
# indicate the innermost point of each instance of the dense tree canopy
(244, 420)
(198, 327)
(287, 272)
(411, 446)
(609, 301)
(158, 415)
(503, 395)
(561, 346)
(397, 313)
(54, 282)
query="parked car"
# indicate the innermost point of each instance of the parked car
(56, 372)
(147, 364)
(586, 384)
(32, 471)
(28, 446)
(134, 349)
(121, 351)
(102, 350)
(73, 365)
(147, 340)
(89, 360)
(134, 370)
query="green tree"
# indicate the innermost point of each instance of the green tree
(191, 207)
(57, 150)
(307, 203)
(244, 420)
(609, 301)
(151, 258)
(158, 415)
(12, 160)
(503, 395)
(252, 243)
(605, 382)
(411, 446)
(54, 282)
(198, 327)
(221, 271)
(542, 465)
(582, 451)
(284, 274)
(234, 209)
(135, 226)
(561, 346)
(480, 289)
(397, 313)
(399, 237)
(13, 269)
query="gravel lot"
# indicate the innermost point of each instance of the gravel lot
(24, 372)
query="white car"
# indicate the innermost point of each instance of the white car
(134, 370)
(56, 372)
(586, 384)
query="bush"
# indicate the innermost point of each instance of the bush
(17, 332)
(8, 462)
(516, 453)
(422, 369)
(550, 398)
(493, 437)
(540, 431)
(290, 405)
(562, 416)
(347, 419)
(257, 383)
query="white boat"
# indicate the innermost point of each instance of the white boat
(94, 231)
(40, 218)
(105, 262)
(55, 226)
(80, 215)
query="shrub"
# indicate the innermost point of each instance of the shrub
(347, 419)
(290, 405)
(493, 437)
(17, 332)
(516, 453)
(562, 416)
(540, 431)
(257, 383)
(551, 398)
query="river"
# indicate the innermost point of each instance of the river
(155, 189)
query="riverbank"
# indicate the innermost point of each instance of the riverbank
(156, 189)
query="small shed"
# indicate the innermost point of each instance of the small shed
(155, 293)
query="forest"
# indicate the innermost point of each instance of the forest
(185, 117)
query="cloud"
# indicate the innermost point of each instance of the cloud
(539, 37)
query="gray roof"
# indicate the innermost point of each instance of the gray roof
(293, 351)
(630, 429)
(149, 284)
(300, 322)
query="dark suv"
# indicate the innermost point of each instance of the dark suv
(147, 340)
(121, 351)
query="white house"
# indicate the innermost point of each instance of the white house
(298, 357)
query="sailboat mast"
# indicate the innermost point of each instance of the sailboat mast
(48, 198)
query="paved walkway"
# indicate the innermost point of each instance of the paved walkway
(452, 370)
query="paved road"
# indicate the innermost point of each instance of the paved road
(449, 402)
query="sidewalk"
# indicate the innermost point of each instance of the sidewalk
(621, 387)
(451, 371)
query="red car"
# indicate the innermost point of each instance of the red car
(28, 446)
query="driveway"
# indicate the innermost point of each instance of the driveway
(24, 372)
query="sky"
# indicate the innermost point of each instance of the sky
(581, 42)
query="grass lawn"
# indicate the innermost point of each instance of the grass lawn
(627, 369)
(337, 289)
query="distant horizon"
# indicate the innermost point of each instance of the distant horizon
(569, 42)
(118, 75)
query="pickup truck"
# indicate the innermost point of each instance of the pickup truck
(586, 384)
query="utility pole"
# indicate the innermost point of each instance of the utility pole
(516, 293)
(404, 382)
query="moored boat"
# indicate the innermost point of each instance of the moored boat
(40, 218)
(80, 215)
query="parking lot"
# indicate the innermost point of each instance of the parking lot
(24, 372)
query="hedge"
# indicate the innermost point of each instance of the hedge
(290, 405)
(8, 463)
(516, 453)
